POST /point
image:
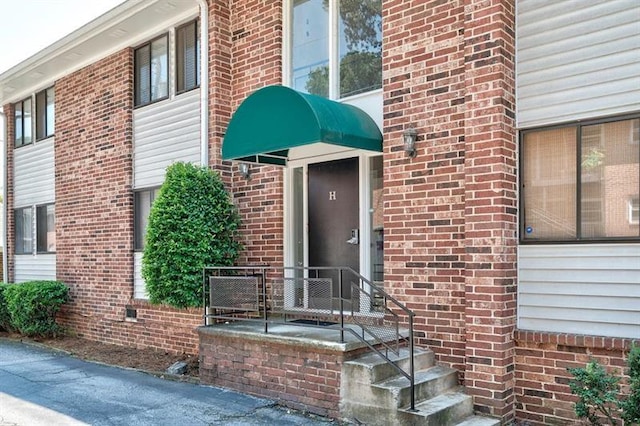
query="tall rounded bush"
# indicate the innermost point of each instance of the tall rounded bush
(192, 224)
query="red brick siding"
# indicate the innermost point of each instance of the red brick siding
(94, 203)
(10, 225)
(257, 62)
(490, 204)
(542, 391)
(299, 376)
(423, 86)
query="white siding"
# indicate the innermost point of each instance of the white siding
(34, 175)
(576, 60)
(31, 268)
(139, 289)
(163, 133)
(584, 289)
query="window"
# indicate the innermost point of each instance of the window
(188, 57)
(45, 113)
(23, 126)
(580, 182)
(24, 230)
(142, 207)
(152, 71)
(45, 229)
(335, 64)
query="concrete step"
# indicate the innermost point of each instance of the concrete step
(396, 391)
(479, 421)
(371, 368)
(446, 409)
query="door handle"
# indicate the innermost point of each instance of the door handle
(355, 237)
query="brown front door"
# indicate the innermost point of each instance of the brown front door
(333, 220)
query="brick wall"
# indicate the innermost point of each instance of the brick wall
(490, 204)
(542, 380)
(8, 202)
(450, 213)
(257, 62)
(423, 70)
(299, 375)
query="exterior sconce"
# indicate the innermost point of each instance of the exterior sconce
(409, 137)
(245, 171)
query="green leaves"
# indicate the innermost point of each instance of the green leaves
(33, 305)
(599, 392)
(192, 224)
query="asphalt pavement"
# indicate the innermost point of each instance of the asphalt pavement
(39, 386)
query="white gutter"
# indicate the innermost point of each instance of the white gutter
(3, 168)
(204, 83)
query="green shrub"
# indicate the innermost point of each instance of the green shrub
(5, 318)
(192, 224)
(599, 392)
(631, 406)
(33, 306)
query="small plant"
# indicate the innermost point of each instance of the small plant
(631, 406)
(599, 392)
(192, 224)
(5, 318)
(33, 306)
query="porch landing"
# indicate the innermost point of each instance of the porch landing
(299, 366)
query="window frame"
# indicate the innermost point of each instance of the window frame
(38, 209)
(197, 59)
(19, 143)
(138, 246)
(578, 201)
(334, 60)
(43, 115)
(136, 102)
(16, 233)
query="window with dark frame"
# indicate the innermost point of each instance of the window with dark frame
(23, 134)
(188, 57)
(23, 230)
(45, 229)
(152, 71)
(143, 200)
(579, 182)
(45, 113)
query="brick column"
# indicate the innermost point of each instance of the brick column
(490, 205)
(8, 202)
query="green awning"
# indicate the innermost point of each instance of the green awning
(276, 118)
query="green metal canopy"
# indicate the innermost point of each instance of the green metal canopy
(276, 118)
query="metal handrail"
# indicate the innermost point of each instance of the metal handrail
(243, 295)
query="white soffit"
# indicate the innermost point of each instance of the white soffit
(126, 25)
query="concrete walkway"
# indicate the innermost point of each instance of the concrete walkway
(43, 387)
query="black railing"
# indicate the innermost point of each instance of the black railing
(339, 298)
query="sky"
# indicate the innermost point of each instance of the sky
(28, 26)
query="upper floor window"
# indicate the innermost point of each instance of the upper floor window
(187, 57)
(45, 113)
(152, 71)
(577, 182)
(23, 125)
(335, 64)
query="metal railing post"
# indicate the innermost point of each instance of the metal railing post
(264, 299)
(412, 372)
(341, 306)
